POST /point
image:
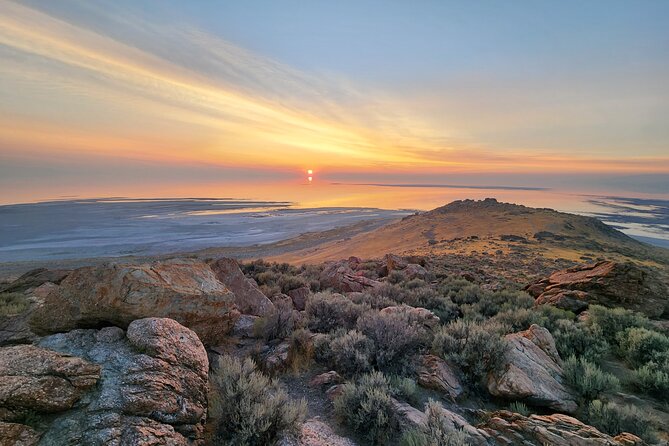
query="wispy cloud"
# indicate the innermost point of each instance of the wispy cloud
(179, 95)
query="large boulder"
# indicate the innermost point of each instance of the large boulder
(605, 283)
(116, 294)
(34, 379)
(531, 371)
(510, 428)
(341, 277)
(248, 297)
(152, 390)
(435, 373)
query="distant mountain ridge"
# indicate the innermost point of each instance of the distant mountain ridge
(489, 226)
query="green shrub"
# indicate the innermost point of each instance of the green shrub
(615, 419)
(301, 349)
(396, 277)
(426, 297)
(652, 379)
(366, 407)
(406, 388)
(639, 345)
(248, 408)
(13, 303)
(328, 311)
(351, 352)
(587, 379)
(576, 339)
(288, 283)
(373, 300)
(475, 347)
(520, 408)
(396, 337)
(436, 432)
(278, 323)
(612, 321)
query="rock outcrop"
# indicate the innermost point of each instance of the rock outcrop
(152, 390)
(508, 428)
(116, 294)
(531, 371)
(606, 283)
(435, 373)
(248, 297)
(341, 277)
(37, 380)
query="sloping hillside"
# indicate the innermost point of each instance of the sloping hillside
(488, 226)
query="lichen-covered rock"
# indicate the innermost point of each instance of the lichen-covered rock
(248, 297)
(275, 358)
(508, 428)
(435, 373)
(152, 390)
(185, 290)
(607, 283)
(531, 371)
(34, 379)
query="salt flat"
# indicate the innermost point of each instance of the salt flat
(110, 227)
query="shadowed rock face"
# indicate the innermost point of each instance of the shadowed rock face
(559, 430)
(531, 371)
(435, 373)
(605, 283)
(248, 297)
(116, 294)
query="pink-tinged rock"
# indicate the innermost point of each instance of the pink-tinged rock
(341, 277)
(606, 283)
(248, 297)
(185, 290)
(435, 373)
(328, 378)
(531, 371)
(558, 430)
(34, 379)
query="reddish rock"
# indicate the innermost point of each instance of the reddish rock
(248, 297)
(558, 430)
(34, 379)
(394, 262)
(605, 283)
(341, 277)
(435, 373)
(182, 289)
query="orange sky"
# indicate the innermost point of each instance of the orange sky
(71, 91)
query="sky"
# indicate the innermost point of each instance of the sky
(109, 93)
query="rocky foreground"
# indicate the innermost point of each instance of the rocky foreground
(123, 354)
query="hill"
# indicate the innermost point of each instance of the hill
(489, 227)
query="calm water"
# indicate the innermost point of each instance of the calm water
(71, 227)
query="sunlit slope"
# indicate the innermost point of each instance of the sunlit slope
(489, 226)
